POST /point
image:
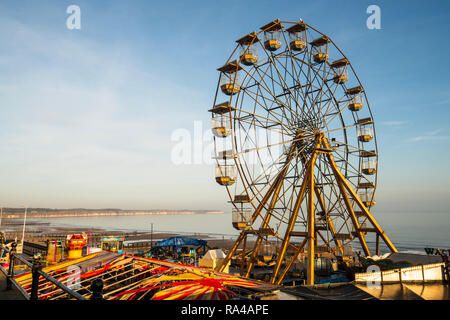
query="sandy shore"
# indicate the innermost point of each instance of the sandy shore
(39, 231)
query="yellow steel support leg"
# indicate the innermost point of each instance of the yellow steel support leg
(330, 222)
(266, 220)
(358, 201)
(355, 223)
(244, 246)
(264, 225)
(227, 259)
(289, 228)
(311, 222)
(324, 209)
(377, 245)
(347, 202)
(288, 267)
(377, 227)
(258, 210)
(294, 215)
(322, 237)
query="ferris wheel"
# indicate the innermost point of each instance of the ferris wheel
(295, 147)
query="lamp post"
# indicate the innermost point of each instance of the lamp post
(24, 223)
(151, 236)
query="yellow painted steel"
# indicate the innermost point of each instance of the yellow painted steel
(340, 79)
(351, 212)
(363, 207)
(286, 269)
(293, 217)
(311, 222)
(369, 171)
(310, 240)
(265, 223)
(289, 229)
(330, 222)
(255, 215)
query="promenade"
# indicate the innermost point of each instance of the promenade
(12, 294)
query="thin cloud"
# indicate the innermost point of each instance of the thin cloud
(443, 102)
(86, 126)
(432, 136)
(394, 123)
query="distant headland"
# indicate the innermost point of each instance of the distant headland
(82, 212)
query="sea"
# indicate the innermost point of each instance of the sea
(410, 232)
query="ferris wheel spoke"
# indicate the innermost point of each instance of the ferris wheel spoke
(352, 171)
(340, 128)
(254, 96)
(246, 151)
(317, 100)
(271, 111)
(327, 178)
(264, 175)
(297, 86)
(276, 99)
(270, 122)
(312, 86)
(286, 86)
(337, 103)
(352, 148)
(331, 98)
(286, 166)
(258, 123)
(337, 113)
(290, 191)
(293, 168)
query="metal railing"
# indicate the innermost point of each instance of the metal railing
(36, 271)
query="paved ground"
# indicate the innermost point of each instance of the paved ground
(397, 291)
(12, 294)
(409, 291)
(332, 292)
(394, 291)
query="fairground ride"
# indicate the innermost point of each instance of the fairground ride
(296, 149)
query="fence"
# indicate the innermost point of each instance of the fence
(436, 272)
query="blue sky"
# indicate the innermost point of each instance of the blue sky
(87, 115)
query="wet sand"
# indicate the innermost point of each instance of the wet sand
(40, 231)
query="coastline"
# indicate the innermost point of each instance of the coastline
(40, 231)
(62, 213)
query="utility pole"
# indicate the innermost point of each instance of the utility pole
(24, 223)
(151, 235)
(1, 216)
